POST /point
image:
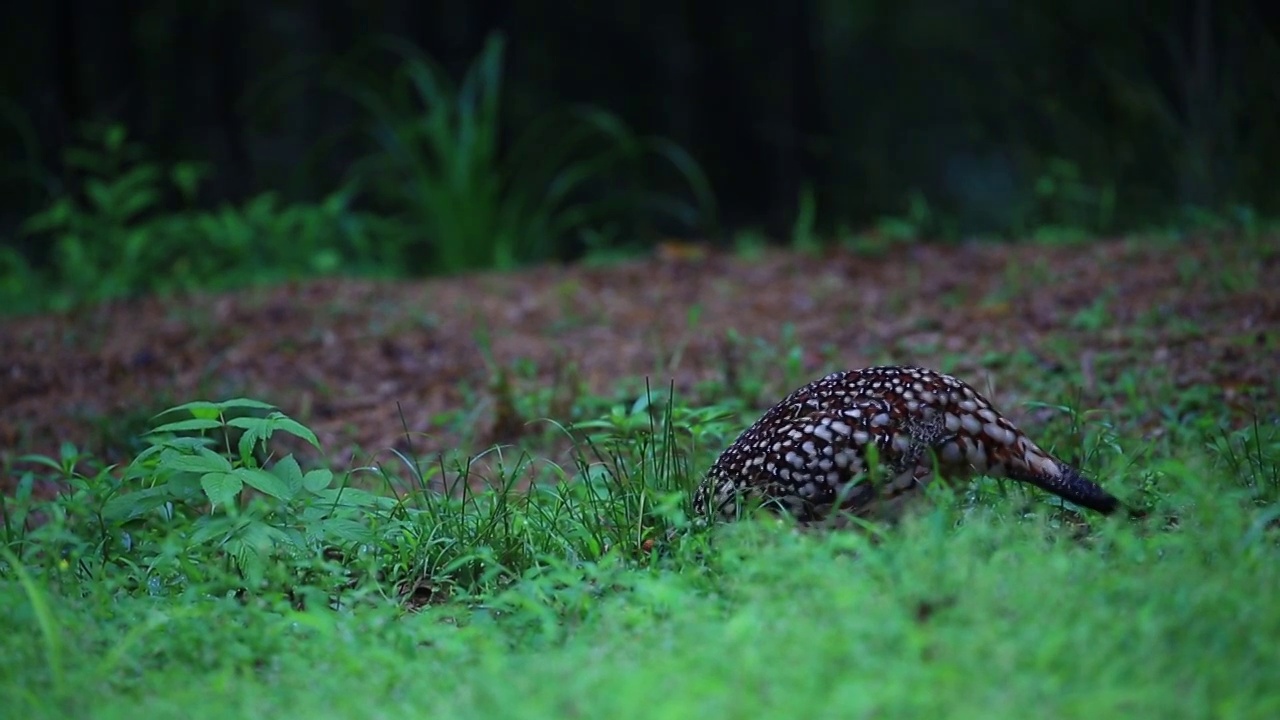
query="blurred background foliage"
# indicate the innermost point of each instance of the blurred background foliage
(151, 146)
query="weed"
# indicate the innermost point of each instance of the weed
(1096, 316)
(804, 238)
(440, 164)
(754, 368)
(118, 235)
(750, 244)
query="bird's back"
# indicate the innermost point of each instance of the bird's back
(857, 440)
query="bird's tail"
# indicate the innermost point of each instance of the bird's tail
(1052, 475)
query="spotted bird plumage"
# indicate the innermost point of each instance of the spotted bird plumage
(862, 441)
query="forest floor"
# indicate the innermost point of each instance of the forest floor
(476, 360)
(1155, 360)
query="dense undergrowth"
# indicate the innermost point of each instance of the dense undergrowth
(440, 185)
(214, 576)
(437, 182)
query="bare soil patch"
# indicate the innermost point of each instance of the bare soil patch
(347, 357)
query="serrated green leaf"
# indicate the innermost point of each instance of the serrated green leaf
(248, 439)
(187, 443)
(221, 487)
(317, 480)
(248, 560)
(275, 421)
(345, 531)
(264, 482)
(132, 505)
(261, 536)
(354, 498)
(185, 487)
(188, 425)
(289, 472)
(208, 527)
(246, 403)
(297, 429)
(198, 408)
(313, 513)
(203, 460)
(207, 413)
(293, 539)
(260, 425)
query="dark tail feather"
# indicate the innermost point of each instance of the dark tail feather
(1070, 485)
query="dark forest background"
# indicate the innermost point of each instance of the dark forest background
(979, 116)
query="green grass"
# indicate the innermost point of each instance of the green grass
(982, 621)
(301, 594)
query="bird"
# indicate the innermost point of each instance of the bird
(865, 442)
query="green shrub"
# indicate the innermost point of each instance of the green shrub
(441, 165)
(117, 235)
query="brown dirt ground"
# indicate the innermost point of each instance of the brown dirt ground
(341, 354)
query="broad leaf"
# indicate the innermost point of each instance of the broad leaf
(248, 403)
(204, 460)
(198, 408)
(248, 560)
(251, 437)
(208, 527)
(264, 427)
(354, 498)
(317, 480)
(221, 487)
(264, 482)
(289, 472)
(132, 505)
(297, 429)
(347, 531)
(188, 425)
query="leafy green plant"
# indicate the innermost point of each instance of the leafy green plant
(1096, 316)
(442, 165)
(132, 227)
(245, 507)
(918, 220)
(803, 231)
(268, 238)
(895, 231)
(1251, 455)
(755, 369)
(68, 531)
(208, 507)
(1067, 206)
(102, 244)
